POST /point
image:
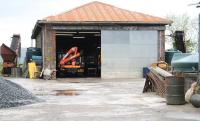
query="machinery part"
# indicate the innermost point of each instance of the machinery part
(71, 55)
(16, 44)
(7, 54)
(10, 54)
(71, 66)
(9, 59)
(34, 54)
(8, 64)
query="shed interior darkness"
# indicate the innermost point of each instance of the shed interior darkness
(89, 47)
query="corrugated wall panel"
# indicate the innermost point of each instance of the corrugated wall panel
(125, 53)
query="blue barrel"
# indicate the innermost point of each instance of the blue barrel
(145, 71)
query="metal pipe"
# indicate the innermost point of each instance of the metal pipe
(199, 51)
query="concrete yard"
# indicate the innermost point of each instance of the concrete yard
(91, 99)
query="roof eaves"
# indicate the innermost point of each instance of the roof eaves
(37, 27)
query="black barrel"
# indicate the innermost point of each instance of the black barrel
(175, 91)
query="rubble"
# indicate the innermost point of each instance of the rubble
(13, 95)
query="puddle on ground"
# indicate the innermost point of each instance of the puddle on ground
(75, 82)
(67, 92)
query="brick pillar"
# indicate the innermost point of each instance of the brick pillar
(161, 45)
(49, 48)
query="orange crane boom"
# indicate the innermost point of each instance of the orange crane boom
(69, 57)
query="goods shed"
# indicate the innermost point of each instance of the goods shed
(100, 40)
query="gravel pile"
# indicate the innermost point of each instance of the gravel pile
(12, 95)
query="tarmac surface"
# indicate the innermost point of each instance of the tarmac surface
(93, 99)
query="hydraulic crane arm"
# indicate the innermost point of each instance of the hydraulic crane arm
(74, 54)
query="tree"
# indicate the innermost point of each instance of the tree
(189, 26)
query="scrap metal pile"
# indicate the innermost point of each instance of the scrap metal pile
(172, 87)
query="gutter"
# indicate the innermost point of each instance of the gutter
(104, 22)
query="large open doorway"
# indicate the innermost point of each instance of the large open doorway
(78, 54)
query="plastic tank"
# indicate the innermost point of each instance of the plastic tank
(32, 51)
(37, 59)
(169, 54)
(185, 62)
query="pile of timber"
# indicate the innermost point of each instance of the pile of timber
(155, 81)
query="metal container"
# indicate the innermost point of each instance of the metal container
(175, 91)
(7, 54)
(37, 59)
(16, 72)
(185, 62)
(169, 55)
(32, 51)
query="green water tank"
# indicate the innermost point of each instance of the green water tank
(185, 62)
(169, 54)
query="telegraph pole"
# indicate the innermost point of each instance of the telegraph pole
(198, 6)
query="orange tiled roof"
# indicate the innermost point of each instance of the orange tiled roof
(101, 12)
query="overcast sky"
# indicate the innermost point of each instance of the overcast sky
(20, 16)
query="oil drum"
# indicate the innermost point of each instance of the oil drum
(175, 90)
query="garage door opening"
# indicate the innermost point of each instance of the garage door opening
(78, 54)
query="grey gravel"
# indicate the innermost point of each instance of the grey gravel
(13, 95)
